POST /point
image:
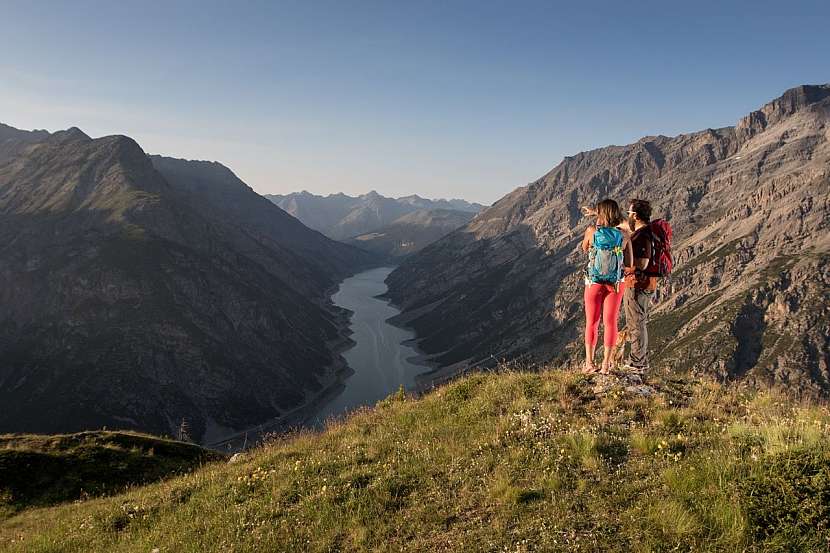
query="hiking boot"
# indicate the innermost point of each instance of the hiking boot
(631, 369)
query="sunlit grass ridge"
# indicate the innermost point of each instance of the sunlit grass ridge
(512, 461)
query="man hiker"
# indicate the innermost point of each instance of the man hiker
(639, 286)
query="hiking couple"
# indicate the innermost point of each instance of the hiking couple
(626, 255)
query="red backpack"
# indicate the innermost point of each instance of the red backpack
(660, 264)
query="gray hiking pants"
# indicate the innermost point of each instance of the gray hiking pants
(637, 304)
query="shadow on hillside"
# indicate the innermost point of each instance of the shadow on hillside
(748, 329)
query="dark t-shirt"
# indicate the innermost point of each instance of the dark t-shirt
(641, 245)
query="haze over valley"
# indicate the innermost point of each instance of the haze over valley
(391, 227)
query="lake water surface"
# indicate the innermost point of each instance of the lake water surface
(378, 359)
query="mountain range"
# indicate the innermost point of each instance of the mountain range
(12, 140)
(143, 291)
(411, 232)
(140, 292)
(750, 294)
(342, 217)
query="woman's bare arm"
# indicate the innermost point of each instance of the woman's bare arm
(588, 239)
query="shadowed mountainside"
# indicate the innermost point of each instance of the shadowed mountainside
(749, 297)
(223, 196)
(135, 301)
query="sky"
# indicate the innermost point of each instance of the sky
(441, 99)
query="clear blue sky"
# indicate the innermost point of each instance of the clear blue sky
(461, 99)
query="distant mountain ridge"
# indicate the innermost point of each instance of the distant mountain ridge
(140, 292)
(412, 232)
(12, 140)
(341, 217)
(749, 298)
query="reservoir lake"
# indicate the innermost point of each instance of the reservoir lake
(379, 358)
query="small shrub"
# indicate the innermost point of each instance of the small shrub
(583, 448)
(787, 497)
(642, 443)
(612, 448)
(527, 496)
(670, 421)
(675, 521)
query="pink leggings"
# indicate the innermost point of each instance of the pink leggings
(601, 298)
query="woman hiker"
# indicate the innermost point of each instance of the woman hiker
(609, 250)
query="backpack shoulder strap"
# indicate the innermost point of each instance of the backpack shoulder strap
(648, 232)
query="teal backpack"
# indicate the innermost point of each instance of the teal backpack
(605, 258)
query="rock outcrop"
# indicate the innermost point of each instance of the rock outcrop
(749, 297)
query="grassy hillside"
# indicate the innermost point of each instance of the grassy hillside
(38, 470)
(498, 462)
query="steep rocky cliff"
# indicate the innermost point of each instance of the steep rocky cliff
(131, 300)
(749, 297)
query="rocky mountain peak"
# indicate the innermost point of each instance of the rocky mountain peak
(784, 106)
(14, 141)
(8, 132)
(72, 134)
(799, 97)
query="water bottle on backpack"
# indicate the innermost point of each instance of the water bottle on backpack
(605, 258)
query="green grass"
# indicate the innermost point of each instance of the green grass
(510, 461)
(38, 470)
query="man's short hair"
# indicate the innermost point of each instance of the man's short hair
(642, 209)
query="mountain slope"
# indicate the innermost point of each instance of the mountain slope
(38, 470)
(13, 141)
(452, 204)
(496, 462)
(749, 205)
(342, 217)
(320, 262)
(130, 303)
(411, 232)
